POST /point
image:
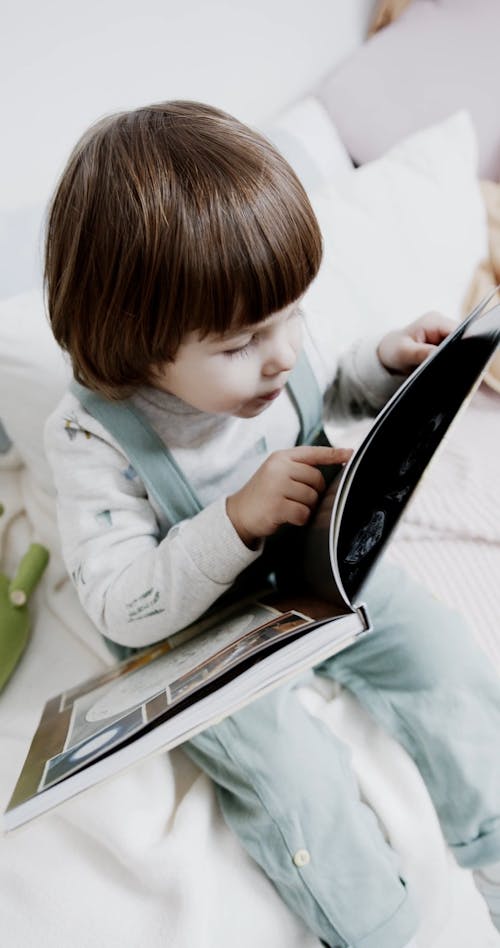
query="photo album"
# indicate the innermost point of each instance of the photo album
(309, 609)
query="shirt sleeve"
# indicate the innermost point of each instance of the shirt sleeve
(354, 382)
(136, 585)
(361, 385)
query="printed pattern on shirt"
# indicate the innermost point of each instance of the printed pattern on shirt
(143, 606)
(72, 426)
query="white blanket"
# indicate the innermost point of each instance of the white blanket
(145, 858)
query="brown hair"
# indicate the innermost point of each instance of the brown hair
(167, 219)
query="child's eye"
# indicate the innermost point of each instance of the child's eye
(241, 350)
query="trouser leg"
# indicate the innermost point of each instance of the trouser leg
(286, 787)
(423, 677)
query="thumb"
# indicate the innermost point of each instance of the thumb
(419, 352)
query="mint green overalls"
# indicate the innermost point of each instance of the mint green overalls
(284, 780)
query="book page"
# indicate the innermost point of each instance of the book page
(105, 715)
(382, 475)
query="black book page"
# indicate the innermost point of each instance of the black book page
(366, 500)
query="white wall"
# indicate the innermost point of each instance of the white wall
(63, 64)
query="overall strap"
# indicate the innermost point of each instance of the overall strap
(147, 453)
(308, 401)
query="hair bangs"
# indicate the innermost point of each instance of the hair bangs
(253, 252)
(281, 248)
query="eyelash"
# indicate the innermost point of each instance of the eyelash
(244, 350)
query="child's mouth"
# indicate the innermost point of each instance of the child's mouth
(271, 395)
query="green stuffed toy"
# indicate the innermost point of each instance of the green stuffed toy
(14, 613)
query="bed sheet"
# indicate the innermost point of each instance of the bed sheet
(145, 858)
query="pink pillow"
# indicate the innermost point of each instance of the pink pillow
(438, 57)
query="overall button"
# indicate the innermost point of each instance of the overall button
(301, 858)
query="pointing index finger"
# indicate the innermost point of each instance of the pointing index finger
(320, 454)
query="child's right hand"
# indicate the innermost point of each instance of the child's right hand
(285, 489)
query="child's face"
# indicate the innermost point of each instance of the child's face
(239, 373)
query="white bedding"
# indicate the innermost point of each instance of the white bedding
(145, 859)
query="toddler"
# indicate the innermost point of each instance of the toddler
(180, 245)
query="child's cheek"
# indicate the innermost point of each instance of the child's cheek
(298, 336)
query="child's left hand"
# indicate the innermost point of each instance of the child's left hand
(402, 350)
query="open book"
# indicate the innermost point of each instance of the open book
(167, 693)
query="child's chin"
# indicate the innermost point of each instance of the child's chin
(252, 409)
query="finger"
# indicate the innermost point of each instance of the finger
(433, 335)
(296, 513)
(438, 333)
(307, 474)
(421, 352)
(302, 494)
(413, 353)
(319, 454)
(432, 327)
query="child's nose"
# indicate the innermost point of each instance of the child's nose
(281, 357)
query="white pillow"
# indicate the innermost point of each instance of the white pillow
(307, 137)
(33, 376)
(402, 234)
